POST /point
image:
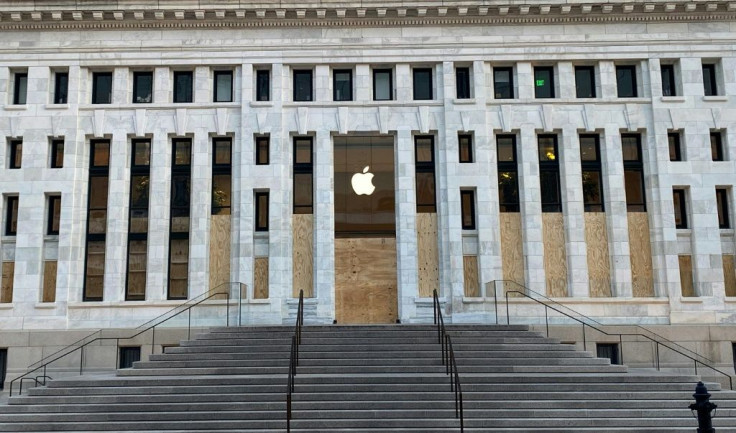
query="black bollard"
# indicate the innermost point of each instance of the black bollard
(704, 407)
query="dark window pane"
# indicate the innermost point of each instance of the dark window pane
(261, 211)
(673, 139)
(678, 197)
(585, 82)
(547, 149)
(21, 89)
(426, 198)
(634, 180)
(550, 189)
(462, 78)
(142, 87)
(465, 143)
(95, 271)
(669, 87)
(102, 88)
(506, 148)
(137, 258)
(141, 153)
(607, 350)
(183, 82)
(54, 215)
(16, 153)
(4, 366)
(303, 151)
(222, 151)
(178, 268)
(223, 86)
(262, 152)
(589, 148)
(544, 84)
(98, 192)
(424, 149)
(182, 152)
(467, 199)
(508, 191)
(422, 84)
(61, 87)
(592, 191)
(100, 153)
(180, 193)
(263, 85)
(631, 147)
(221, 193)
(382, 85)
(343, 85)
(716, 146)
(302, 193)
(302, 85)
(57, 154)
(11, 219)
(724, 221)
(710, 86)
(626, 81)
(503, 83)
(139, 200)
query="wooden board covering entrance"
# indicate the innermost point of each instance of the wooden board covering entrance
(470, 274)
(219, 252)
(599, 268)
(302, 254)
(512, 250)
(729, 274)
(555, 259)
(6, 288)
(686, 276)
(641, 255)
(365, 280)
(260, 278)
(49, 281)
(427, 256)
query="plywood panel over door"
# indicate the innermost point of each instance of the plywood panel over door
(6, 288)
(49, 281)
(219, 252)
(428, 258)
(686, 276)
(729, 274)
(599, 267)
(302, 228)
(641, 255)
(365, 280)
(260, 278)
(470, 274)
(512, 252)
(555, 259)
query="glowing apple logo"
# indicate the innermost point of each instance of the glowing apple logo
(363, 182)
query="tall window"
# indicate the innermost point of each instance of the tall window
(425, 179)
(716, 146)
(585, 81)
(262, 150)
(181, 172)
(465, 144)
(223, 83)
(303, 85)
(102, 87)
(669, 87)
(633, 173)
(54, 215)
(544, 82)
(590, 158)
(678, 197)
(4, 366)
(183, 86)
(626, 81)
(20, 88)
(503, 83)
(710, 85)
(549, 173)
(724, 218)
(140, 176)
(508, 173)
(342, 85)
(142, 87)
(261, 199)
(99, 171)
(673, 140)
(422, 84)
(11, 215)
(303, 172)
(462, 82)
(221, 175)
(56, 155)
(61, 87)
(383, 85)
(263, 85)
(467, 202)
(15, 148)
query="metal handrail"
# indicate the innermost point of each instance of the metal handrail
(620, 335)
(76, 346)
(448, 360)
(296, 339)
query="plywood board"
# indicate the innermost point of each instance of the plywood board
(512, 251)
(470, 276)
(302, 255)
(599, 266)
(6, 288)
(641, 254)
(427, 254)
(49, 281)
(555, 259)
(219, 253)
(729, 274)
(365, 280)
(260, 278)
(686, 276)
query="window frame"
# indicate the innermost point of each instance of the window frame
(259, 140)
(468, 193)
(469, 140)
(390, 73)
(179, 170)
(594, 166)
(137, 170)
(713, 89)
(668, 70)
(674, 142)
(96, 91)
(425, 167)
(510, 70)
(550, 167)
(716, 146)
(679, 194)
(349, 97)
(10, 215)
(216, 74)
(257, 195)
(260, 74)
(634, 81)
(13, 145)
(303, 72)
(50, 215)
(102, 171)
(124, 353)
(415, 72)
(136, 76)
(635, 166)
(551, 70)
(590, 74)
(176, 98)
(722, 203)
(62, 98)
(20, 98)
(56, 147)
(221, 169)
(508, 167)
(302, 168)
(463, 87)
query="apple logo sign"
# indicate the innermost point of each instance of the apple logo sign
(363, 182)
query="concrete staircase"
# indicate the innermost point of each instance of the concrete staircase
(364, 379)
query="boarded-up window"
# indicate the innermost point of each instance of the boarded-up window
(686, 276)
(6, 289)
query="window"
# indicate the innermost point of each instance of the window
(626, 81)
(633, 172)
(590, 158)
(462, 82)
(549, 173)
(96, 220)
(342, 85)
(221, 175)
(724, 219)
(102, 87)
(140, 175)
(20, 88)
(425, 177)
(383, 85)
(465, 143)
(183, 84)
(15, 153)
(710, 85)
(262, 150)
(3, 366)
(303, 169)
(503, 83)
(57, 153)
(467, 201)
(61, 87)
(669, 87)
(422, 84)
(261, 199)
(678, 196)
(223, 86)
(716, 146)
(142, 87)
(129, 355)
(54, 215)
(180, 212)
(263, 85)
(585, 81)
(508, 181)
(608, 351)
(11, 215)
(673, 139)
(733, 349)
(544, 82)
(303, 85)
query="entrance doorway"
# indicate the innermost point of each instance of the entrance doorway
(365, 230)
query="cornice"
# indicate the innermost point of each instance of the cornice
(362, 14)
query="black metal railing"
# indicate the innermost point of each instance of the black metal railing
(588, 323)
(296, 340)
(448, 360)
(98, 336)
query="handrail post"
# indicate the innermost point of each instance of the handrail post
(81, 360)
(240, 304)
(117, 355)
(508, 316)
(153, 339)
(546, 320)
(189, 325)
(227, 314)
(495, 302)
(621, 347)
(585, 342)
(657, 353)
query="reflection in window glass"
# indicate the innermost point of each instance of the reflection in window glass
(626, 81)
(506, 146)
(503, 83)
(101, 88)
(141, 153)
(382, 85)
(223, 86)
(465, 143)
(669, 87)
(631, 147)
(549, 173)
(426, 192)
(343, 85)
(585, 81)
(424, 149)
(100, 153)
(544, 82)
(221, 194)
(11, 216)
(95, 272)
(673, 140)
(178, 268)
(678, 197)
(261, 200)
(547, 149)
(422, 84)
(182, 152)
(716, 146)
(462, 82)
(262, 150)
(710, 86)
(61, 87)
(263, 85)
(57, 153)
(303, 193)
(302, 85)
(724, 220)
(137, 260)
(634, 180)
(508, 191)
(183, 83)
(467, 201)
(592, 191)
(54, 215)
(142, 87)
